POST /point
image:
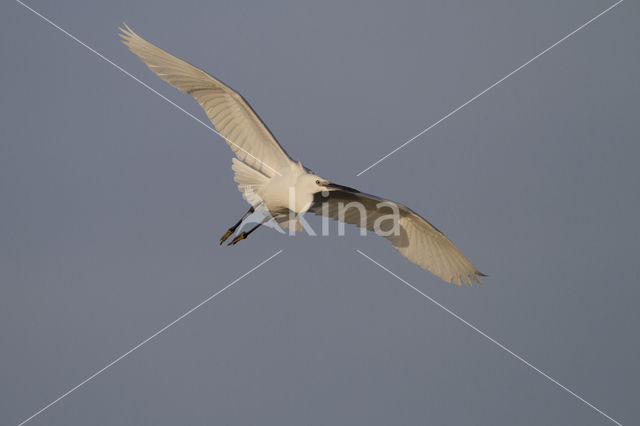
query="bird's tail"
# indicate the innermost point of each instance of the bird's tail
(249, 180)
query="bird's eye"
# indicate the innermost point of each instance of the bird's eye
(317, 182)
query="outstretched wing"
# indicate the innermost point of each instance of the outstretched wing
(233, 118)
(417, 240)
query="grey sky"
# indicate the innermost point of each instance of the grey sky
(113, 202)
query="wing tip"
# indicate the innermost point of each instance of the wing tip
(459, 279)
(127, 34)
(476, 276)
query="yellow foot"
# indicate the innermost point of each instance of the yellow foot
(225, 236)
(238, 238)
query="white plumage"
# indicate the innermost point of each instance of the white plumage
(231, 115)
(268, 178)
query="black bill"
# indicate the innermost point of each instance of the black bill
(341, 187)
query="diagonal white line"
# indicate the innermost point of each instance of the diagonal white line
(492, 340)
(491, 87)
(142, 343)
(127, 73)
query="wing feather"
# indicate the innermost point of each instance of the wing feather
(231, 115)
(418, 240)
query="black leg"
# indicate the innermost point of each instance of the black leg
(244, 235)
(234, 227)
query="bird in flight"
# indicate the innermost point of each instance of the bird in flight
(274, 183)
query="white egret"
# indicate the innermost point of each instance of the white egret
(270, 180)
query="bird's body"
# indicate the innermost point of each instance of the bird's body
(272, 181)
(291, 190)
